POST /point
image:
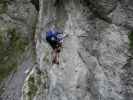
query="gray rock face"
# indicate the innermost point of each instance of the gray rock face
(103, 6)
(93, 57)
(95, 62)
(17, 24)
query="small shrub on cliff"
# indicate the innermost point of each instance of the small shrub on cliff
(32, 87)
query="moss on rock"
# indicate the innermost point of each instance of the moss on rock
(3, 6)
(32, 87)
(11, 47)
(3, 1)
(36, 81)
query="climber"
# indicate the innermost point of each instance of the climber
(55, 39)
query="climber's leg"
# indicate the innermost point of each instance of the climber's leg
(58, 52)
(54, 56)
(57, 59)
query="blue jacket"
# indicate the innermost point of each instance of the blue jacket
(54, 35)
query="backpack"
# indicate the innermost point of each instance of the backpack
(49, 34)
(52, 35)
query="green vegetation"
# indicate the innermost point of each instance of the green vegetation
(3, 6)
(130, 36)
(36, 81)
(3, 1)
(32, 87)
(10, 51)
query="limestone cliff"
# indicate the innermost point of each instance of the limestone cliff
(96, 59)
